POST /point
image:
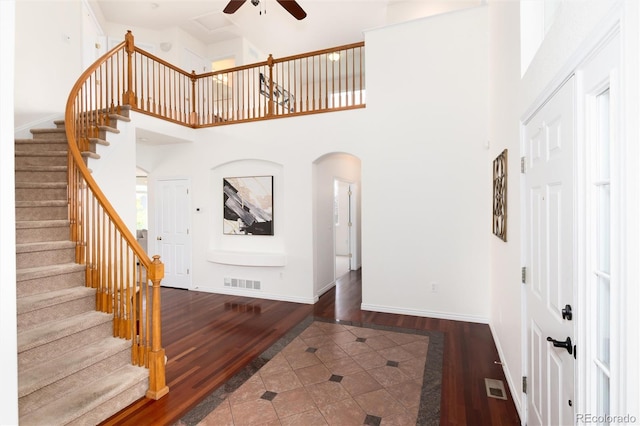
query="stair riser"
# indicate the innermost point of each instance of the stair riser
(31, 145)
(50, 136)
(44, 352)
(35, 235)
(59, 311)
(53, 283)
(45, 258)
(42, 213)
(34, 194)
(45, 176)
(112, 406)
(48, 160)
(50, 393)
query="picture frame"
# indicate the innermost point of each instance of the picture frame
(500, 195)
(247, 205)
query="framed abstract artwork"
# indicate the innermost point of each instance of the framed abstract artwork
(247, 205)
(500, 196)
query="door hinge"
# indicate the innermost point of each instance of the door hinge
(187, 271)
(350, 255)
(523, 164)
(349, 224)
(187, 231)
(524, 275)
(524, 384)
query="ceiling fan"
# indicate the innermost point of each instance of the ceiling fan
(291, 6)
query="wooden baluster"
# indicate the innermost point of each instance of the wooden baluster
(270, 105)
(193, 117)
(157, 380)
(129, 97)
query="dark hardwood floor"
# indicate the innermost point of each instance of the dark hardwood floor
(210, 337)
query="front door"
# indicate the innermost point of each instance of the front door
(549, 144)
(173, 235)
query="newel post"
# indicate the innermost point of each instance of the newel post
(129, 96)
(270, 64)
(157, 380)
(193, 117)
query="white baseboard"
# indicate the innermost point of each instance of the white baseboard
(424, 313)
(254, 293)
(516, 392)
(325, 289)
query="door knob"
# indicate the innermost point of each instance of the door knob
(567, 313)
(159, 238)
(560, 344)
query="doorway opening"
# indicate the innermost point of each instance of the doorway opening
(142, 208)
(336, 216)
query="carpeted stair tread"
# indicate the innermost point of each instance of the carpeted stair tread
(42, 203)
(51, 298)
(41, 168)
(119, 117)
(99, 141)
(86, 398)
(51, 153)
(41, 185)
(89, 154)
(53, 130)
(45, 224)
(58, 368)
(108, 129)
(48, 245)
(54, 330)
(47, 271)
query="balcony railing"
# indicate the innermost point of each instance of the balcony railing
(320, 81)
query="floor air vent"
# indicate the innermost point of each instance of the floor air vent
(495, 389)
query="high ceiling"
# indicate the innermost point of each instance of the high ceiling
(268, 26)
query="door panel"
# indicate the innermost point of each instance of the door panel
(173, 239)
(549, 138)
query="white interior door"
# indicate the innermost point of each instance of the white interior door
(173, 240)
(549, 144)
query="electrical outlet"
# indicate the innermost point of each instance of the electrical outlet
(434, 287)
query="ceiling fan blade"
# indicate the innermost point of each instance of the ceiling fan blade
(233, 6)
(293, 8)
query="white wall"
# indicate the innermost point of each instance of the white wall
(49, 42)
(8, 325)
(504, 132)
(426, 196)
(511, 97)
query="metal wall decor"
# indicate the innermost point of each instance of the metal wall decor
(500, 196)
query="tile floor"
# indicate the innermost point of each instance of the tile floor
(333, 374)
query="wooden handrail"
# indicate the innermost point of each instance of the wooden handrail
(126, 280)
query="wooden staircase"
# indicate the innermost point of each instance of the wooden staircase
(71, 370)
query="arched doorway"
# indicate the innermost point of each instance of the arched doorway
(336, 215)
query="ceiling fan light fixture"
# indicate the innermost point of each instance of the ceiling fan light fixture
(333, 56)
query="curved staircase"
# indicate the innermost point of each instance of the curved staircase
(71, 370)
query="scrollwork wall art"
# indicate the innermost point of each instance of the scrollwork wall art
(500, 196)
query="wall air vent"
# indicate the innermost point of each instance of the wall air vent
(242, 283)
